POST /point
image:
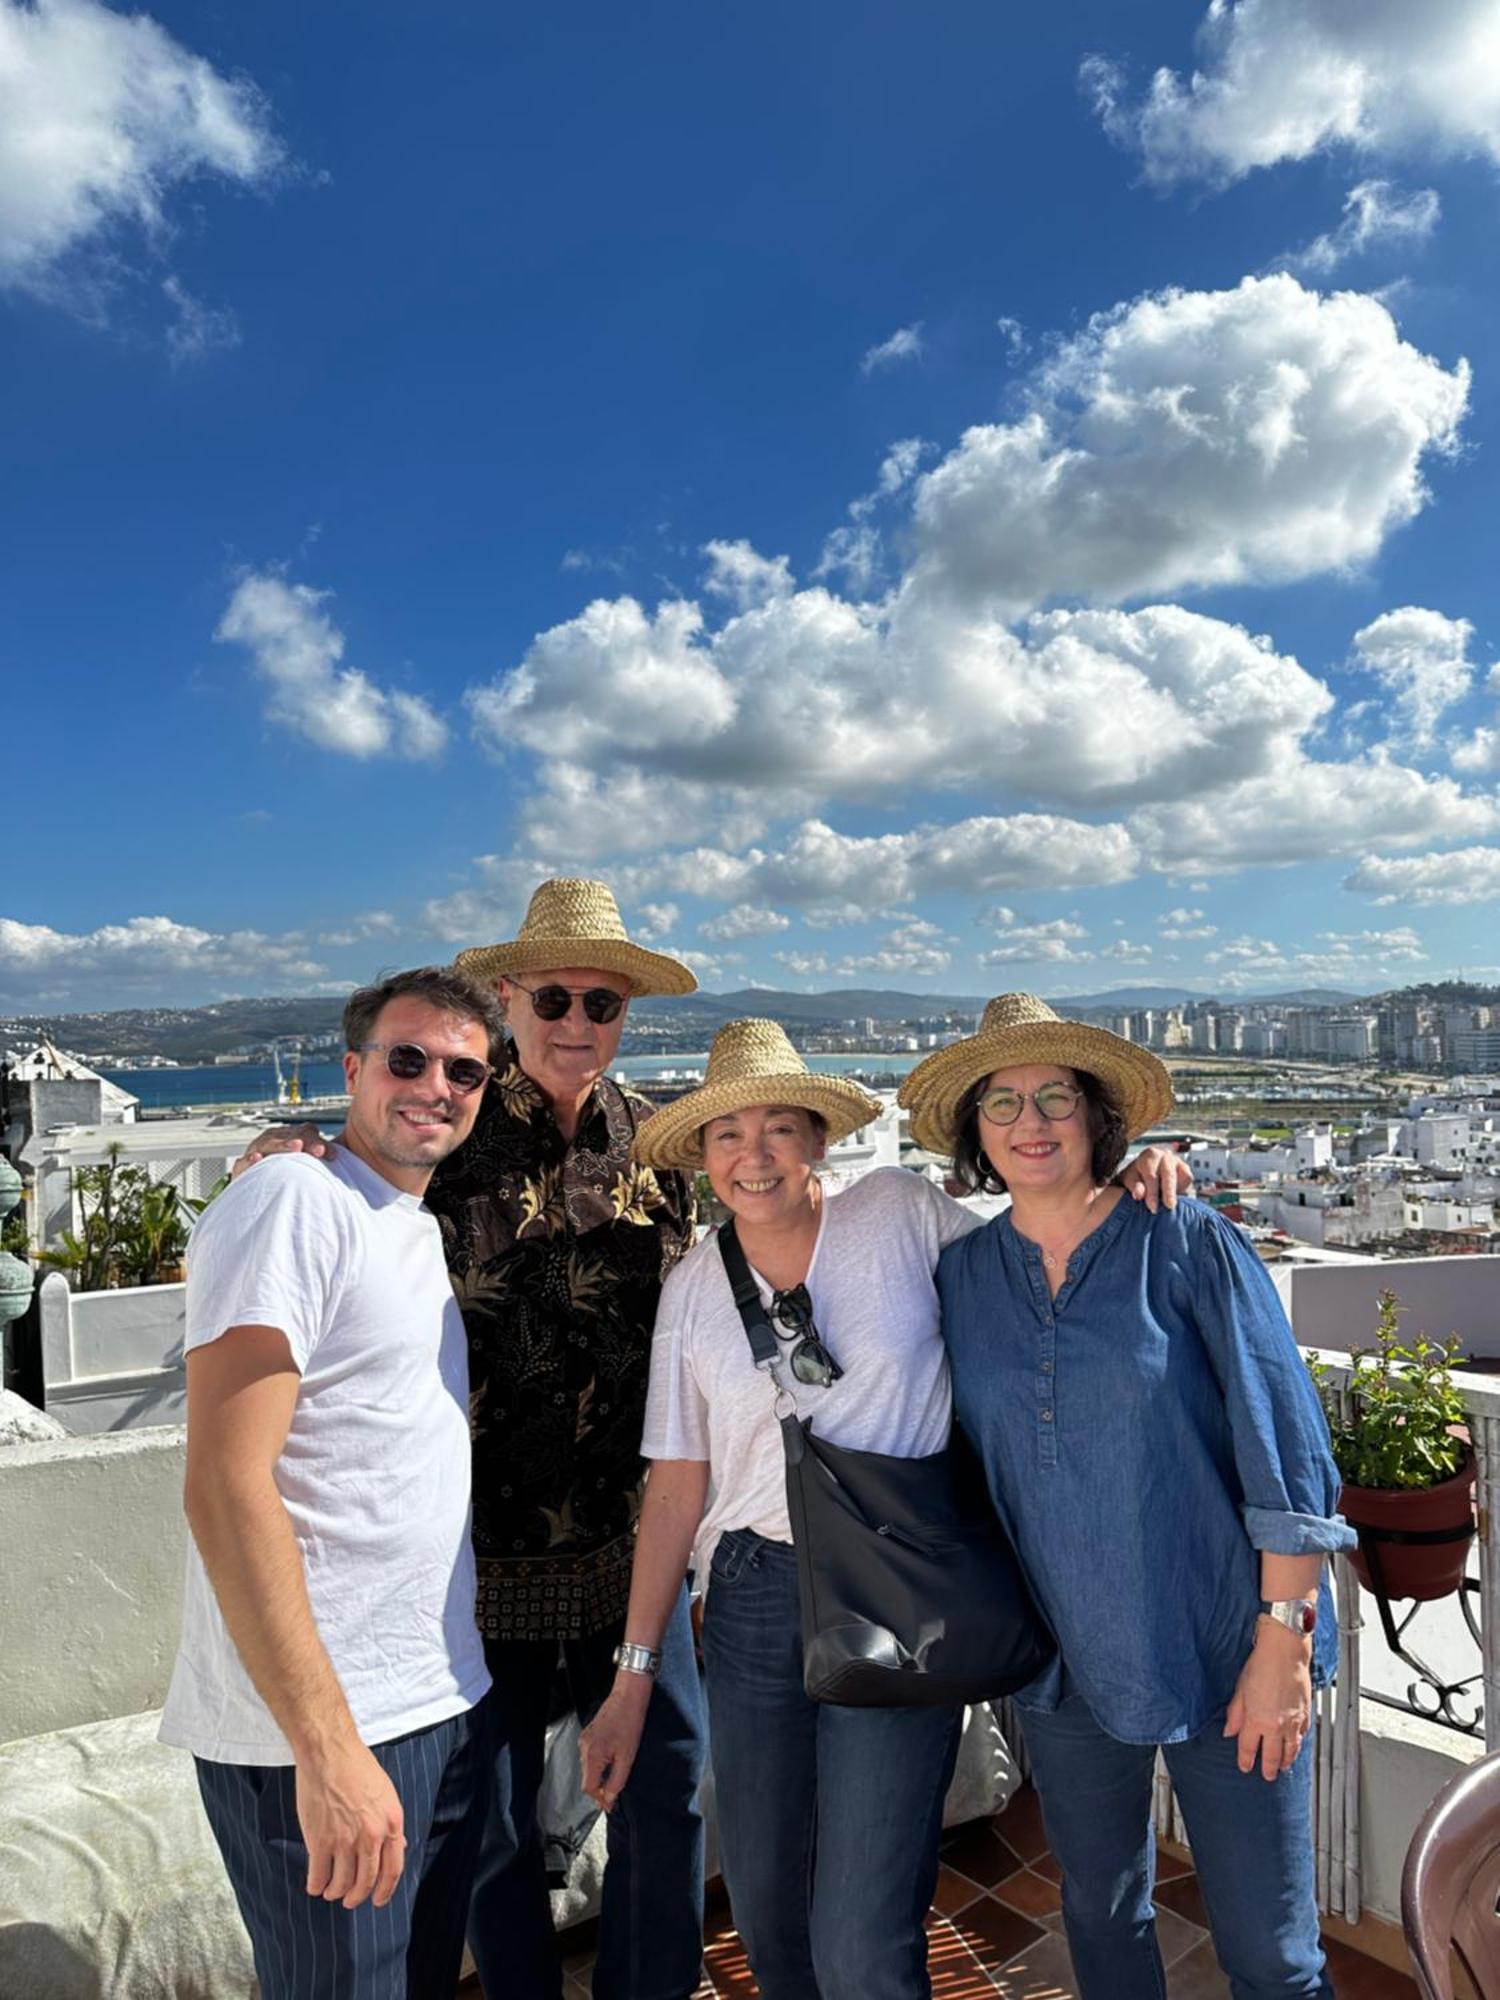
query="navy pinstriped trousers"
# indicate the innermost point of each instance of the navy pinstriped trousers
(306, 1949)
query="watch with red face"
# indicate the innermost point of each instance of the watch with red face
(1298, 1614)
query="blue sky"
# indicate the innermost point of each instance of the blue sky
(909, 499)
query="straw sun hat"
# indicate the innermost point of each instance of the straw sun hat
(751, 1062)
(573, 922)
(1018, 1028)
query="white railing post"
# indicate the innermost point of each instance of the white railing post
(1484, 1430)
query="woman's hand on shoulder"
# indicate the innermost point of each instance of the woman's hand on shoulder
(1272, 1705)
(1156, 1177)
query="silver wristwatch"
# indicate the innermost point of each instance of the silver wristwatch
(638, 1659)
(1298, 1614)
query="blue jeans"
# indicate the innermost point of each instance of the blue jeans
(651, 1917)
(828, 1817)
(306, 1949)
(1252, 1848)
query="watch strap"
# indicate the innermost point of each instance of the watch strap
(637, 1659)
(1298, 1614)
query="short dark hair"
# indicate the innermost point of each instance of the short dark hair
(441, 986)
(971, 1166)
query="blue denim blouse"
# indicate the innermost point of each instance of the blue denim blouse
(1144, 1436)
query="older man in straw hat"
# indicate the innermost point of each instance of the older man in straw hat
(557, 1246)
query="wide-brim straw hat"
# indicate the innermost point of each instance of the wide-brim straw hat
(1018, 1028)
(574, 922)
(751, 1062)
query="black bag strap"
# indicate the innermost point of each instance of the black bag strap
(762, 1338)
(758, 1329)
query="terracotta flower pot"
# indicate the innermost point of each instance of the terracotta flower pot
(1416, 1569)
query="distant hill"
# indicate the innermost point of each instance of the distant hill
(199, 1034)
(854, 1003)
(186, 1034)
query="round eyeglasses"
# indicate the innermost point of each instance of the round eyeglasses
(1055, 1101)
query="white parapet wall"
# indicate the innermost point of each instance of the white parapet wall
(1333, 1305)
(91, 1568)
(1404, 1764)
(112, 1361)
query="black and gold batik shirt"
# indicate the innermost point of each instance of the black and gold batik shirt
(557, 1253)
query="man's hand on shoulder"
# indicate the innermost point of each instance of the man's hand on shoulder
(281, 1139)
(351, 1821)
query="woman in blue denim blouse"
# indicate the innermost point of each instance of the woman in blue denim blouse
(1152, 1440)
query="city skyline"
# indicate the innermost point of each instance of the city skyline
(949, 505)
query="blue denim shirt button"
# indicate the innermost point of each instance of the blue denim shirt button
(1046, 1416)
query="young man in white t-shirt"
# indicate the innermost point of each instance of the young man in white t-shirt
(330, 1677)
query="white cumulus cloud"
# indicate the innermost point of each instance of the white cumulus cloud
(655, 920)
(1187, 439)
(297, 651)
(903, 953)
(1306, 810)
(1461, 876)
(1055, 942)
(1284, 79)
(134, 960)
(1421, 659)
(1183, 440)
(103, 116)
(743, 921)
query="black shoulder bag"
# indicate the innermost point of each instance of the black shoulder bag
(911, 1594)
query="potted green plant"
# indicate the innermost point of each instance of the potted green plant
(132, 1230)
(157, 1236)
(1406, 1466)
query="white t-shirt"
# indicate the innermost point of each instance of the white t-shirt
(876, 1310)
(374, 1473)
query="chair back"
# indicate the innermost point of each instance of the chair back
(1451, 1883)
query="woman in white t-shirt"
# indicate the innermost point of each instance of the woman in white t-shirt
(828, 1816)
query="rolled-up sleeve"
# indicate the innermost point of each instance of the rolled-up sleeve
(1289, 1483)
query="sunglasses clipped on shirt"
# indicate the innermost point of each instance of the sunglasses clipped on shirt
(408, 1060)
(550, 1003)
(809, 1360)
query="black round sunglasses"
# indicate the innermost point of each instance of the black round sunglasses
(408, 1060)
(550, 1003)
(809, 1360)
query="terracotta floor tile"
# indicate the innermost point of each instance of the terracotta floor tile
(1185, 1898)
(1043, 1972)
(1046, 1864)
(1032, 1894)
(1197, 1976)
(977, 1851)
(728, 1968)
(956, 1973)
(953, 1891)
(995, 1933)
(1170, 1865)
(1359, 1978)
(1020, 1824)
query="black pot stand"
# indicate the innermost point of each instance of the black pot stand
(1429, 1696)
